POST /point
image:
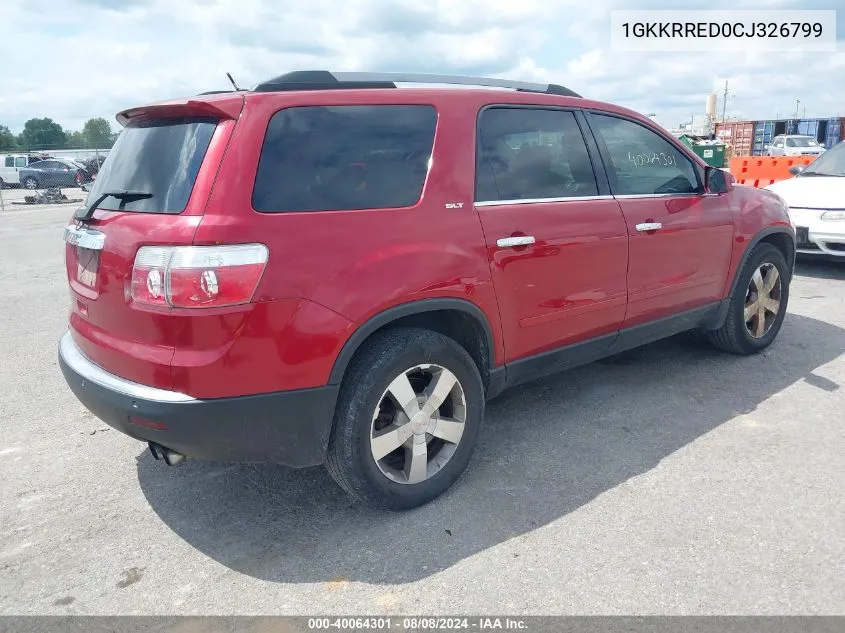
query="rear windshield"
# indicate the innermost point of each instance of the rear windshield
(160, 157)
(329, 158)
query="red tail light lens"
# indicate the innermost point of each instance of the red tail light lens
(197, 276)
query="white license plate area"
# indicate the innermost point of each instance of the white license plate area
(87, 265)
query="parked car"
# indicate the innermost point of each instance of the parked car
(331, 269)
(816, 199)
(55, 172)
(11, 164)
(93, 164)
(795, 145)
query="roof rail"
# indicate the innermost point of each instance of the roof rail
(325, 80)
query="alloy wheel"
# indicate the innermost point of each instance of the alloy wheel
(762, 300)
(418, 424)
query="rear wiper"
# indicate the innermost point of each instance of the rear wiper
(83, 214)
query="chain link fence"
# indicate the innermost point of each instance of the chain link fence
(44, 174)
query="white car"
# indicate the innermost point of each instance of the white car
(816, 199)
(794, 145)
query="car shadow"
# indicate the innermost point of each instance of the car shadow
(820, 268)
(546, 449)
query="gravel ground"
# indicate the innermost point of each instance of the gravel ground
(670, 480)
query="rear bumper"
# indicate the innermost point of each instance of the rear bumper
(287, 427)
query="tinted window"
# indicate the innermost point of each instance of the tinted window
(326, 158)
(10, 161)
(531, 154)
(643, 162)
(161, 157)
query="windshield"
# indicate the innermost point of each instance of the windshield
(801, 141)
(160, 157)
(831, 163)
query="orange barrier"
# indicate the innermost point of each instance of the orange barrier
(761, 171)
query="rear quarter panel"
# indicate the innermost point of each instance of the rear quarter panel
(348, 266)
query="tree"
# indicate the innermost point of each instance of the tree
(7, 139)
(98, 133)
(76, 140)
(39, 134)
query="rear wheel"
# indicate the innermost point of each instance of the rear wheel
(758, 304)
(30, 183)
(407, 419)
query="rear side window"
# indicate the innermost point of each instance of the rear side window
(9, 162)
(331, 158)
(642, 161)
(160, 157)
(531, 154)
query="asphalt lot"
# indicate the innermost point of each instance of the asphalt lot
(671, 480)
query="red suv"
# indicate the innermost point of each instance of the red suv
(331, 269)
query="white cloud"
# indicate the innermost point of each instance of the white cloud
(76, 59)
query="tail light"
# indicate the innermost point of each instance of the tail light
(79, 178)
(197, 276)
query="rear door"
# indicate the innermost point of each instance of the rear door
(20, 163)
(171, 154)
(556, 242)
(680, 238)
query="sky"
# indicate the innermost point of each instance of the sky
(75, 59)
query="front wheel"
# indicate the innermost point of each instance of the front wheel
(407, 420)
(758, 304)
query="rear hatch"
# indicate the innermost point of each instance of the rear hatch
(152, 190)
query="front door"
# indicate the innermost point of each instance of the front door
(558, 250)
(680, 237)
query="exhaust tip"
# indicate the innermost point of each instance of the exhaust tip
(169, 456)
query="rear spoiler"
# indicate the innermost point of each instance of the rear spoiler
(222, 107)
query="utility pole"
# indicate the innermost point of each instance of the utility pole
(805, 112)
(725, 101)
(797, 103)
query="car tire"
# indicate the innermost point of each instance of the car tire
(30, 183)
(757, 305)
(370, 419)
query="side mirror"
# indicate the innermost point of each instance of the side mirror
(717, 180)
(766, 147)
(821, 145)
(796, 169)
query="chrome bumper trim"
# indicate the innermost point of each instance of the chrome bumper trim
(77, 361)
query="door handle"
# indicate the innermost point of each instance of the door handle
(516, 240)
(645, 227)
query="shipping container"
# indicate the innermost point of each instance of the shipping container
(835, 132)
(765, 131)
(738, 134)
